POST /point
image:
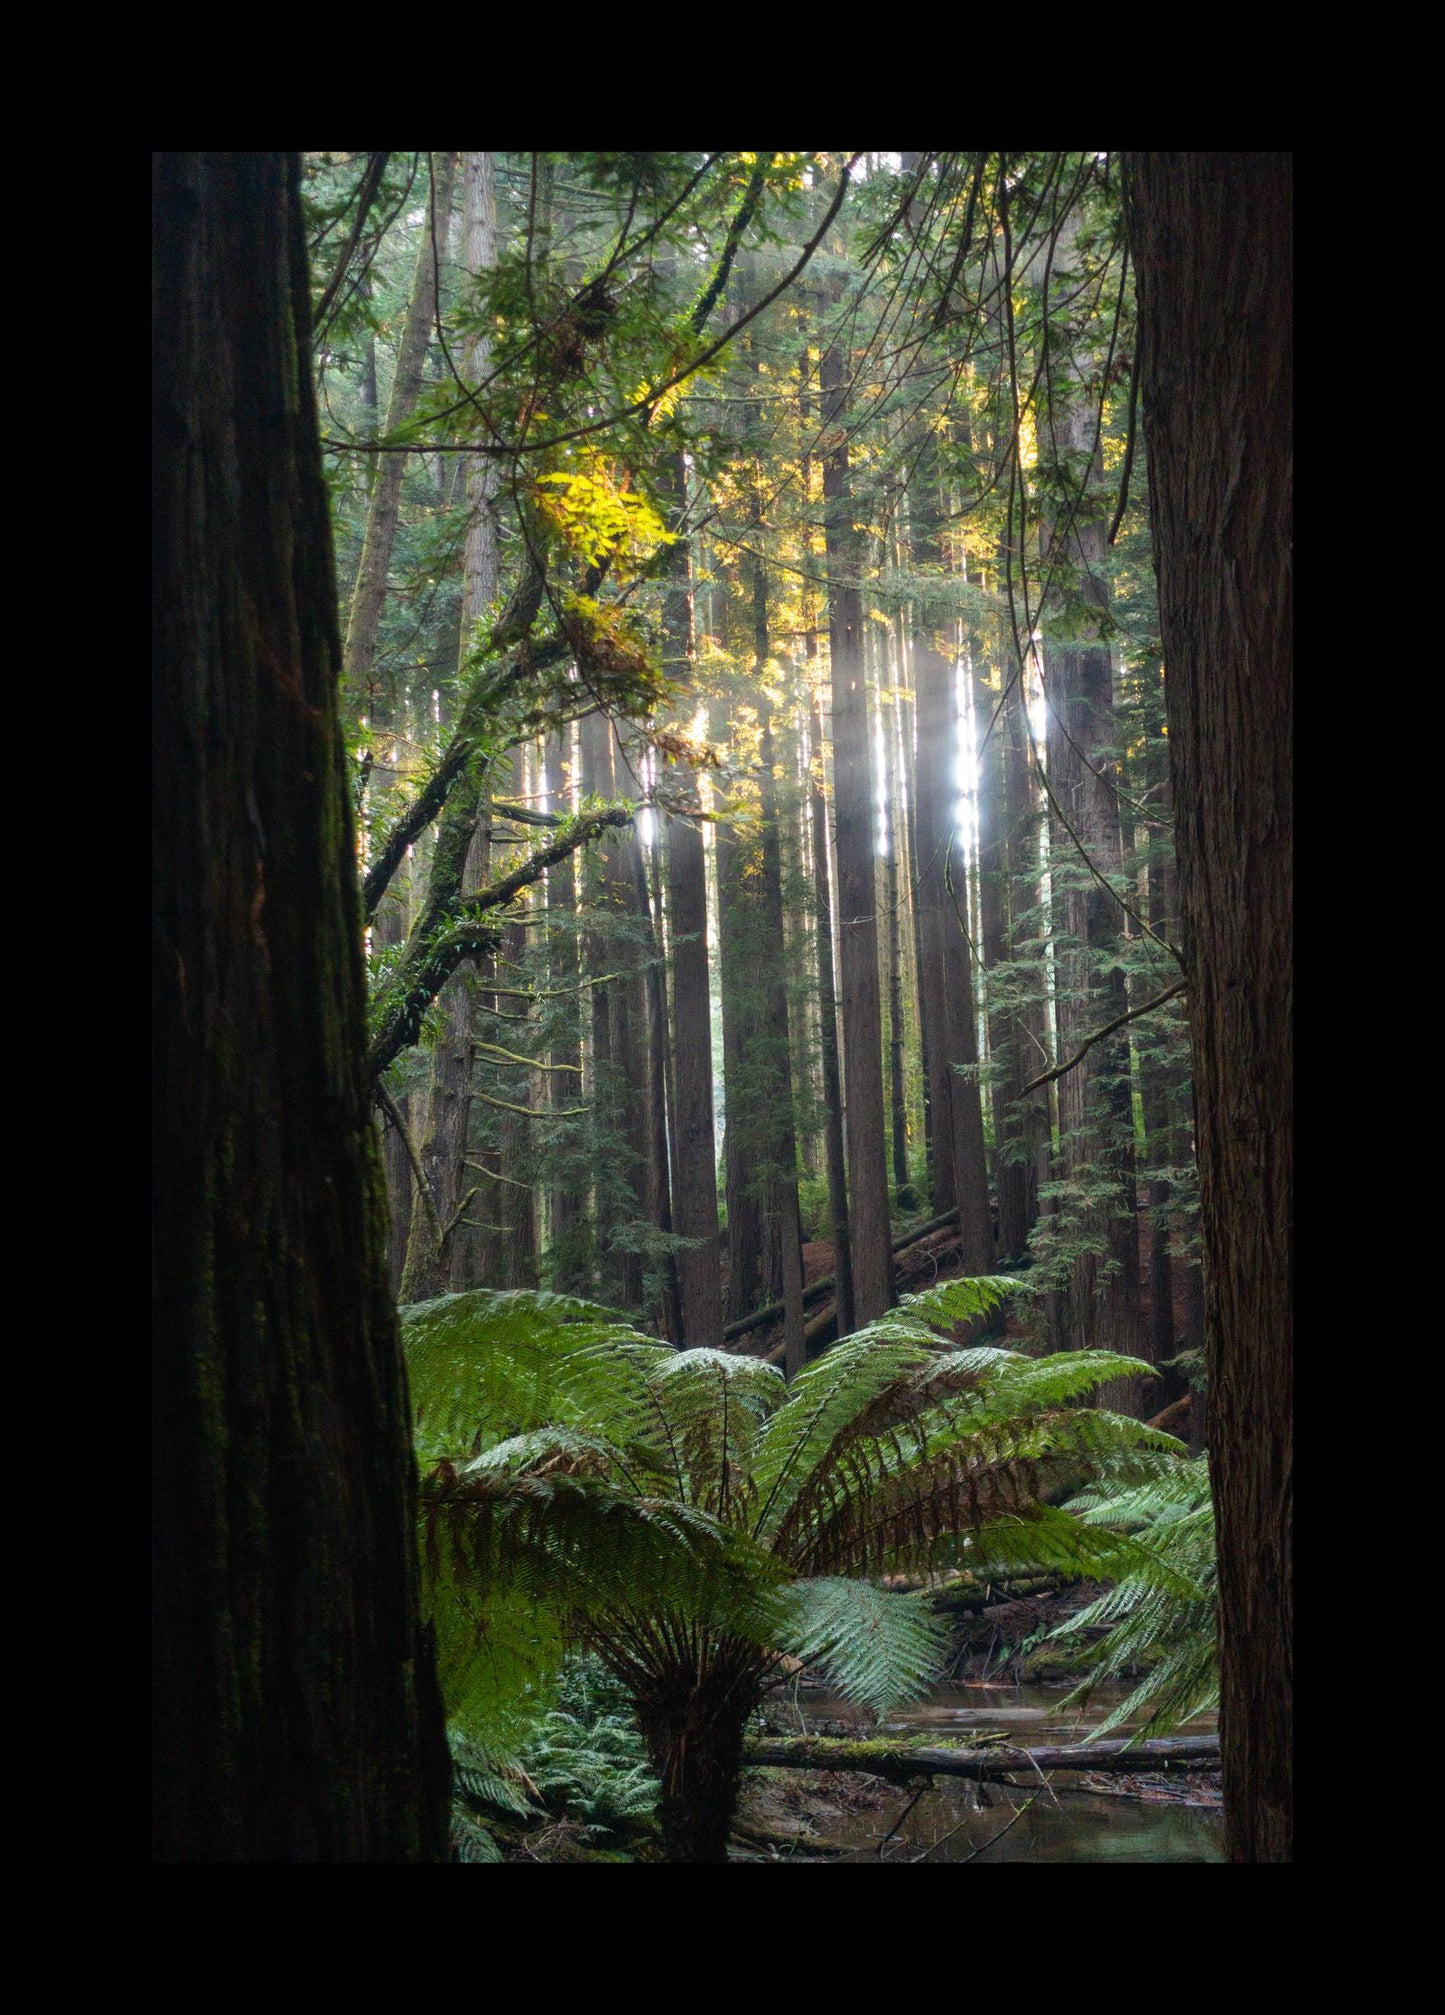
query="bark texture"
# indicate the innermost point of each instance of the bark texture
(1212, 238)
(296, 1717)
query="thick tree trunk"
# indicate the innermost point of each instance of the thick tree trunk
(296, 1717)
(1212, 237)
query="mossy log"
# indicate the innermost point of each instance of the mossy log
(991, 1764)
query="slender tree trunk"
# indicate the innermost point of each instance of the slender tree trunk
(566, 1199)
(893, 957)
(369, 591)
(295, 1710)
(868, 1221)
(832, 1076)
(960, 1171)
(1212, 239)
(1096, 1114)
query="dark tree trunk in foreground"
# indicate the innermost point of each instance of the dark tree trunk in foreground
(1212, 241)
(296, 1714)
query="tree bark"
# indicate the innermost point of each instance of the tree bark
(296, 1716)
(1212, 238)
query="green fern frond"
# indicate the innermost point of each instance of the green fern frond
(1162, 1608)
(877, 1647)
(472, 1840)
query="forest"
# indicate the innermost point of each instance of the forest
(721, 967)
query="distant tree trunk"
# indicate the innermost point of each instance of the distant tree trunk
(740, 954)
(623, 852)
(369, 591)
(566, 1195)
(507, 1250)
(295, 1710)
(960, 1173)
(1021, 1040)
(458, 863)
(693, 1143)
(1212, 240)
(461, 859)
(832, 1077)
(1096, 1114)
(893, 893)
(782, 1231)
(827, 992)
(870, 1231)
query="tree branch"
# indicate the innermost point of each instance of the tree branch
(445, 936)
(1133, 1014)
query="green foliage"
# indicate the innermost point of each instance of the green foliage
(875, 1646)
(1161, 1612)
(590, 1485)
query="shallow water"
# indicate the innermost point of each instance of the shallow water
(1058, 1820)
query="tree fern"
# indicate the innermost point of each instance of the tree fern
(589, 1485)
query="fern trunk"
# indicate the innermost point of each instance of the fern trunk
(693, 1726)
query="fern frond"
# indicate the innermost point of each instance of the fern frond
(877, 1647)
(1163, 1601)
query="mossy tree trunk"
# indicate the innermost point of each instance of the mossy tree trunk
(296, 1717)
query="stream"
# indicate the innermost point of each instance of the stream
(1070, 1818)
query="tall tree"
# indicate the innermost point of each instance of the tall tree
(959, 1176)
(1212, 237)
(692, 1143)
(295, 1711)
(869, 1231)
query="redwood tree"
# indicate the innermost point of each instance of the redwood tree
(296, 1717)
(1212, 241)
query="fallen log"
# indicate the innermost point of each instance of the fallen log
(990, 1765)
(817, 1289)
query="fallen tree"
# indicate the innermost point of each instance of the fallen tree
(991, 1764)
(817, 1290)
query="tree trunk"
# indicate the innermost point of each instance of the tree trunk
(828, 1024)
(868, 1222)
(692, 1722)
(296, 1716)
(567, 1233)
(960, 1173)
(1096, 1116)
(1212, 240)
(369, 592)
